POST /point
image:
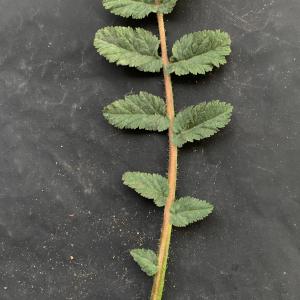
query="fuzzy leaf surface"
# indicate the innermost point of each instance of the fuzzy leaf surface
(199, 52)
(188, 210)
(126, 46)
(141, 111)
(146, 259)
(150, 186)
(138, 9)
(201, 121)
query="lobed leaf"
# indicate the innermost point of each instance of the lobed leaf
(138, 9)
(188, 210)
(199, 52)
(146, 259)
(126, 46)
(200, 121)
(142, 111)
(150, 186)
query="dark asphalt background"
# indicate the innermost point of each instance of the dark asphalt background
(61, 164)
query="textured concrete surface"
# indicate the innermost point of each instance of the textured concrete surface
(66, 220)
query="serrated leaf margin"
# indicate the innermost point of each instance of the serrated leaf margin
(188, 115)
(157, 120)
(106, 43)
(186, 60)
(137, 9)
(181, 218)
(161, 181)
(146, 259)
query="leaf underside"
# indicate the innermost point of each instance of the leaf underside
(141, 111)
(201, 121)
(138, 9)
(150, 186)
(199, 52)
(146, 259)
(188, 210)
(126, 46)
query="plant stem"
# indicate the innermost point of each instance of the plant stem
(165, 238)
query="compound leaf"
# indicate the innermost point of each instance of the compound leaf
(188, 210)
(142, 111)
(126, 46)
(138, 9)
(146, 259)
(199, 52)
(200, 121)
(150, 186)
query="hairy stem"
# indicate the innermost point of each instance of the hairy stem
(165, 238)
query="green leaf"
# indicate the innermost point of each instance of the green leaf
(146, 259)
(200, 121)
(150, 186)
(126, 46)
(188, 210)
(199, 52)
(142, 111)
(138, 9)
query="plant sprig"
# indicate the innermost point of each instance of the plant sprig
(195, 53)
